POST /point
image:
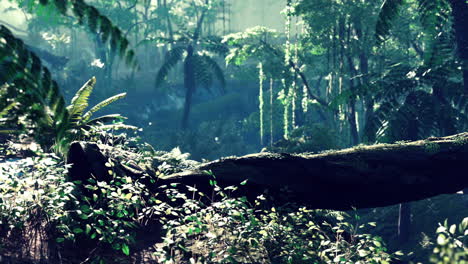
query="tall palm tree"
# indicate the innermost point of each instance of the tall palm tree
(196, 54)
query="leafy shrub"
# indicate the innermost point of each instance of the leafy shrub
(34, 192)
(33, 199)
(451, 244)
(231, 230)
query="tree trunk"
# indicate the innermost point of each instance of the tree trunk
(189, 84)
(361, 177)
(365, 176)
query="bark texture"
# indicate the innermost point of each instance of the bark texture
(359, 177)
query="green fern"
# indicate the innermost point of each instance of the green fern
(80, 101)
(172, 58)
(388, 12)
(30, 83)
(102, 104)
(96, 23)
(75, 125)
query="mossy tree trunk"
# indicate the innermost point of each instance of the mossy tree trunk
(360, 177)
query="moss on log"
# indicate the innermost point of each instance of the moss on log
(359, 177)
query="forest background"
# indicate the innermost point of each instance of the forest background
(220, 78)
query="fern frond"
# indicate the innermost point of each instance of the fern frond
(89, 14)
(117, 127)
(6, 109)
(80, 101)
(173, 57)
(22, 68)
(216, 71)
(59, 110)
(388, 12)
(113, 118)
(102, 104)
(215, 45)
(434, 13)
(203, 75)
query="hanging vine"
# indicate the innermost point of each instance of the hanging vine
(283, 97)
(287, 92)
(271, 112)
(261, 77)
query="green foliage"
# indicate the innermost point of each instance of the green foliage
(94, 20)
(195, 51)
(307, 138)
(33, 190)
(231, 230)
(451, 244)
(256, 43)
(434, 15)
(28, 83)
(388, 12)
(77, 124)
(218, 226)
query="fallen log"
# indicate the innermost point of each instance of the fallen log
(358, 177)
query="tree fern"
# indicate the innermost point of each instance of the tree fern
(172, 58)
(194, 51)
(215, 69)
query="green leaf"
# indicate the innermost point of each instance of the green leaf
(77, 230)
(125, 249)
(88, 229)
(363, 253)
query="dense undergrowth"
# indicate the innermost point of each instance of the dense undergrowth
(44, 215)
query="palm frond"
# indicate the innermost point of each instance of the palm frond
(388, 12)
(173, 57)
(102, 104)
